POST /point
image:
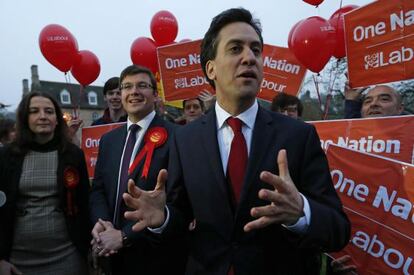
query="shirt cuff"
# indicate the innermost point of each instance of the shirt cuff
(301, 226)
(160, 229)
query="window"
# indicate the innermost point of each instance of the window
(65, 97)
(95, 115)
(92, 98)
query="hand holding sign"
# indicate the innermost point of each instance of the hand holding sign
(286, 203)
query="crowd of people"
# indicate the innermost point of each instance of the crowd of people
(216, 196)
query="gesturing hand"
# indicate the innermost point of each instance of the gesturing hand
(286, 204)
(148, 205)
(7, 268)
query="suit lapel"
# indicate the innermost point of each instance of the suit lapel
(117, 143)
(212, 152)
(136, 174)
(263, 134)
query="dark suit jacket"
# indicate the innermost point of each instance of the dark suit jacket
(78, 225)
(198, 189)
(143, 256)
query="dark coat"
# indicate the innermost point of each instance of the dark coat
(198, 189)
(78, 224)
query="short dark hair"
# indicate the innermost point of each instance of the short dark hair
(25, 137)
(199, 100)
(111, 84)
(210, 41)
(136, 69)
(6, 126)
(282, 100)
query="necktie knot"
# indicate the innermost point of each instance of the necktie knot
(134, 128)
(235, 124)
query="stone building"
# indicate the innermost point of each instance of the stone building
(88, 103)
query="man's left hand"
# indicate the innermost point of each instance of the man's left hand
(111, 240)
(286, 204)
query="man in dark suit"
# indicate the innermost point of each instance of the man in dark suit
(112, 234)
(257, 183)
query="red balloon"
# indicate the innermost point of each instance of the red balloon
(86, 68)
(292, 31)
(312, 43)
(337, 21)
(164, 28)
(58, 46)
(313, 2)
(144, 53)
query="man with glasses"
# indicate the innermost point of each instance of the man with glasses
(112, 96)
(137, 150)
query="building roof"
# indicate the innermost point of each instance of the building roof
(77, 96)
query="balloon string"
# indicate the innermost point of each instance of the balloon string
(68, 82)
(77, 107)
(317, 91)
(328, 97)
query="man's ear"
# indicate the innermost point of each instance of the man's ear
(211, 69)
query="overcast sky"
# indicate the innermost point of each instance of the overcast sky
(108, 29)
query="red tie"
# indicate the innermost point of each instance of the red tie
(236, 167)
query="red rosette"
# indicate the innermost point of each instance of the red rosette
(71, 177)
(155, 137)
(71, 180)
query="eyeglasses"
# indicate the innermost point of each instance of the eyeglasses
(140, 86)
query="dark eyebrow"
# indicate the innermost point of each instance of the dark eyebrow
(239, 41)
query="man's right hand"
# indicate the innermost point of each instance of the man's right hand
(7, 268)
(149, 205)
(96, 239)
(351, 93)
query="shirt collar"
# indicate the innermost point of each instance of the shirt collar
(248, 117)
(143, 123)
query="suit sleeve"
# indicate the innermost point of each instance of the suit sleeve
(177, 199)
(98, 203)
(329, 227)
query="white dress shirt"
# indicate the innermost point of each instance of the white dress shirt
(225, 136)
(143, 124)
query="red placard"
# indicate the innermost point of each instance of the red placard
(181, 73)
(388, 136)
(183, 78)
(282, 72)
(380, 42)
(90, 143)
(378, 196)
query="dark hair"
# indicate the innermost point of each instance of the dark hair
(199, 100)
(6, 126)
(25, 137)
(210, 40)
(111, 84)
(282, 100)
(135, 69)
